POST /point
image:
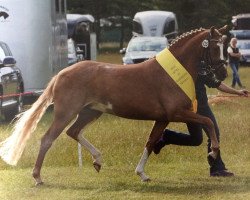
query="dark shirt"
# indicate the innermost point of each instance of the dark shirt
(201, 93)
(233, 59)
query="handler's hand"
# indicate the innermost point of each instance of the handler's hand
(243, 93)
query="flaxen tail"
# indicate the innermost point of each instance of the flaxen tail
(12, 148)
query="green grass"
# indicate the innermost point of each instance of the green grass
(110, 47)
(171, 181)
(110, 58)
(177, 173)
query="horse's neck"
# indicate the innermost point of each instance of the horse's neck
(188, 52)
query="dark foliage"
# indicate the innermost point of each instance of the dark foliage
(190, 13)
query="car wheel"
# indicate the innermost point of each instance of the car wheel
(11, 113)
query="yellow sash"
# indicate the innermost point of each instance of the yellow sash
(178, 73)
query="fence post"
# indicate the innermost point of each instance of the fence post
(80, 155)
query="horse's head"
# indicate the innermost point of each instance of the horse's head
(213, 66)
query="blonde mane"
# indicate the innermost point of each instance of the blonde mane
(184, 35)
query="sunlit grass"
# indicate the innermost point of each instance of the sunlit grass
(119, 183)
(177, 173)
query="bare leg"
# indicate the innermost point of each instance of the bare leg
(75, 131)
(153, 138)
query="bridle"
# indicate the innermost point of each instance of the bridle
(207, 66)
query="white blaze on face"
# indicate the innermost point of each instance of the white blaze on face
(221, 50)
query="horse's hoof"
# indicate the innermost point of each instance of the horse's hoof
(146, 179)
(97, 166)
(143, 176)
(39, 184)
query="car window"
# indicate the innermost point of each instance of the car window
(169, 27)
(137, 27)
(243, 45)
(7, 50)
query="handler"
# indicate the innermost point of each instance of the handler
(194, 138)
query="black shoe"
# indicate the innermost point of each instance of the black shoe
(158, 146)
(221, 173)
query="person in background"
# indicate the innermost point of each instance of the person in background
(234, 58)
(225, 40)
(194, 138)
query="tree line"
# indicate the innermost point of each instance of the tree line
(190, 14)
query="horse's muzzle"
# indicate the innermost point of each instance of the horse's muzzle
(221, 70)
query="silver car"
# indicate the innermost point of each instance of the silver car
(142, 48)
(244, 48)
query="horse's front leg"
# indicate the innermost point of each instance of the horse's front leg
(153, 138)
(189, 116)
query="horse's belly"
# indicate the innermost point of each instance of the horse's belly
(135, 112)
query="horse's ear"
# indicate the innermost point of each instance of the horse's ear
(223, 30)
(212, 30)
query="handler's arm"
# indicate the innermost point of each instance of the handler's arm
(224, 88)
(230, 51)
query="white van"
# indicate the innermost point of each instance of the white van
(155, 23)
(36, 32)
(241, 21)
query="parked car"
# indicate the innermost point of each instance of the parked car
(244, 48)
(11, 84)
(142, 48)
(240, 34)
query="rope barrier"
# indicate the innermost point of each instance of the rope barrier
(227, 96)
(17, 94)
(214, 99)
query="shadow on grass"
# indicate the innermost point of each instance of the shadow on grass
(190, 186)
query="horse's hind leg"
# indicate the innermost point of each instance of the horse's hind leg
(54, 131)
(75, 131)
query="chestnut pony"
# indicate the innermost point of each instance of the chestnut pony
(141, 91)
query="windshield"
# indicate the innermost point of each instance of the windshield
(243, 45)
(147, 45)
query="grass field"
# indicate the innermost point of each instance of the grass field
(177, 173)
